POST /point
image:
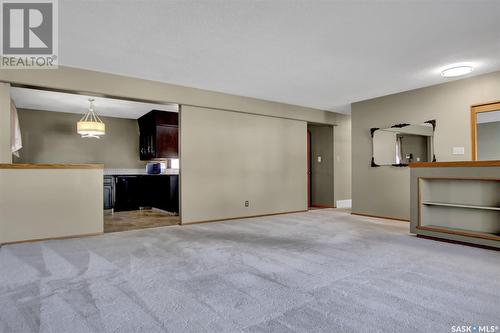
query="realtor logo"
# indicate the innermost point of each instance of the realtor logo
(29, 34)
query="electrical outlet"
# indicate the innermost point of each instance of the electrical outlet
(247, 203)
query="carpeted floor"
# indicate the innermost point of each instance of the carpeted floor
(320, 271)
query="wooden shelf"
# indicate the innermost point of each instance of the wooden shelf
(449, 208)
(444, 204)
(461, 232)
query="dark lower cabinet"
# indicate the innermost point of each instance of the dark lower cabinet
(127, 193)
(108, 192)
(158, 191)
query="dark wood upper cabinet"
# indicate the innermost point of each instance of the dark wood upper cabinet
(159, 135)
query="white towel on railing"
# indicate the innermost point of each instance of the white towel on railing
(16, 142)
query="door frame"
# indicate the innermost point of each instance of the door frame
(474, 110)
(310, 161)
(308, 169)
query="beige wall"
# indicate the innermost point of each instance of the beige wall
(5, 153)
(92, 82)
(50, 137)
(48, 203)
(385, 191)
(229, 157)
(342, 161)
(73, 79)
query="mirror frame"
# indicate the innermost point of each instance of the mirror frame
(372, 134)
(474, 110)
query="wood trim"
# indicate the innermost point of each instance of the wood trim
(455, 164)
(420, 206)
(452, 241)
(460, 232)
(474, 110)
(488, 106)
(242, 217)
(50, 166)
(457, 178)
(473, 133)
(53, 238)
(381, 217)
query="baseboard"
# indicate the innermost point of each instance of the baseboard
(242, 217)
(381, 217)
(344, 203)
(52, 238)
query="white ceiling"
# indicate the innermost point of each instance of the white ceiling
(63, 102)
(322, 54)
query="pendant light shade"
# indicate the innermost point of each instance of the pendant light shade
(91, 126)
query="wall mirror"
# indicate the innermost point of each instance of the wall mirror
(485, 130)
(402, 144)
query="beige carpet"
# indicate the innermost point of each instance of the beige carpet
(317, 271)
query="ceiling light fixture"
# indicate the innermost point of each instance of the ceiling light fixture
(91, 126)
(456, 70)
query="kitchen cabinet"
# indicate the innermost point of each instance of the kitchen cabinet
(135, 191)
(108, 192)
(128, 193)
(159, 135)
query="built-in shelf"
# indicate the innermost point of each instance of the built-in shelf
(462, 232)
(458, 208)
(444, 204)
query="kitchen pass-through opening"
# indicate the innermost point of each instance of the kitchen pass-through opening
(137, 142)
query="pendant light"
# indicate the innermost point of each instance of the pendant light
(91, 126)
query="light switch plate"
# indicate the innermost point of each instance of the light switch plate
(319, 159)
(458, 151)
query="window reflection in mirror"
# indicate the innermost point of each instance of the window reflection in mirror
(488, 135)
(402, 144)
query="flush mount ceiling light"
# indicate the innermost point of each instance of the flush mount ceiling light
(456, 70)
(91, 126)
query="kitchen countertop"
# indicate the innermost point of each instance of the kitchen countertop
(136, 172)
(141, 174)
(49, 166)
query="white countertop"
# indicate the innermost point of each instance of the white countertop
(142, 171)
